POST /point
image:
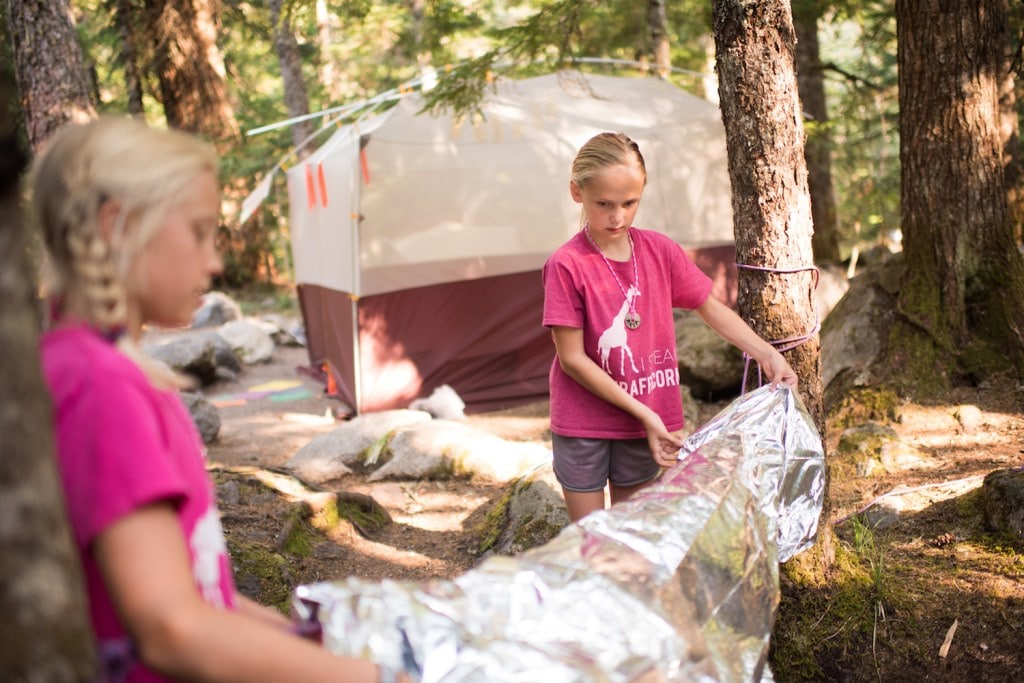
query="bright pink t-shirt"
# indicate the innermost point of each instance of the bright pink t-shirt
(580, 292)
(122, 444)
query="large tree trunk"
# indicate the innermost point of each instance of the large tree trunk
(296, 98)
(754, 44)
(49, 66)
(1013, 165)
(817, 151)
(191, 70)
(44, 631)
(657, 24)
(961, 305)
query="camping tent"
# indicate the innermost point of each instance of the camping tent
(418, 239)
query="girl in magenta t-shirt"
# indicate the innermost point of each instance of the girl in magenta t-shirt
(616, 410)
(129, 215)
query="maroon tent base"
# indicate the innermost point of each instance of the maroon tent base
(481, 337)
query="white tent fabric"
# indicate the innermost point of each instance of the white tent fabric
(442, 198)
(417, 239)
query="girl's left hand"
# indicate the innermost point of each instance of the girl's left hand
(779, 372)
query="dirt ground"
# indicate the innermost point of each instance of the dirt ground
(882, 613)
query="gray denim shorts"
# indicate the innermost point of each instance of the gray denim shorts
(582, 464)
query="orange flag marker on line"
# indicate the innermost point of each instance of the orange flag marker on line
(364, 164)
(323, 184)
(310, 189)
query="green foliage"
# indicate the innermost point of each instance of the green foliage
(858, 45)
(379, 45)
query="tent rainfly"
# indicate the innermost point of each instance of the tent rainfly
(418, 239)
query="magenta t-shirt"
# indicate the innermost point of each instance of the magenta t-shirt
(121, 444)
(580, 292)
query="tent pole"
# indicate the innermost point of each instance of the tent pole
(355, 178)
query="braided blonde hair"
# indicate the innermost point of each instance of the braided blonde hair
(83, 166)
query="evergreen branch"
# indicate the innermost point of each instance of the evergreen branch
(546, 37)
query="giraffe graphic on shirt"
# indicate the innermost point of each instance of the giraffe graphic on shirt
(615, 336)
(209, 553)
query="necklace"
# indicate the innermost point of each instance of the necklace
(632, 319)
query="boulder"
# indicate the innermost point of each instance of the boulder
(708, 364)
(443, 448)
(854, 333)
(332, 455)
(530, 512)
(204, 414)
(216, 309)
(188, 354)
(249, 340)
(1002, 495)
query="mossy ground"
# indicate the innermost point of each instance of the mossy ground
(886, 606)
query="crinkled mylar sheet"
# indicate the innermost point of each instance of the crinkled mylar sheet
(679, 583)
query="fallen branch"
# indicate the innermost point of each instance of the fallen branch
(944, 650)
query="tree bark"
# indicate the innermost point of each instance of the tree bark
(961, 306)
(1013, 164)
(191, 70)
(817, 152)
(48, 66)
(44, 633)
(657, 23)
(754, 44)
(124, 17)
(296, 98)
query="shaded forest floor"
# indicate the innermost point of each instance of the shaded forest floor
(881, 615)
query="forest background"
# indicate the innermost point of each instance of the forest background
(893, 123)
(226, 68)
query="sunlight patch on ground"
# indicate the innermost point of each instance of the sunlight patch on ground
(430, 506)
(939, 428)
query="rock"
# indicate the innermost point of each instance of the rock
(229, 493)
(691, 412)
(223, 354)
(529, 514)
(867, 438)
(284, 331)
(204, 414)
(216, 309)
(900, 457)
(865, 443)
(443, 448)
(1003, 499)
(832, 285)
(333, 454)
(874, 255)
(249, 340)
(189, 354)
(708, 364)
(969, 417)
(884, 514)
(854, 333)
(443, 403)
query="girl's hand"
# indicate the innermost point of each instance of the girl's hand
(663, 443)
(779, 372)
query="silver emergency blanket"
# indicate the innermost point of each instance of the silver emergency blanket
(680, 583)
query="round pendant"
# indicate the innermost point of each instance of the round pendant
(632, 320)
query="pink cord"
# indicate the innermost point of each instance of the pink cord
(781, 344)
